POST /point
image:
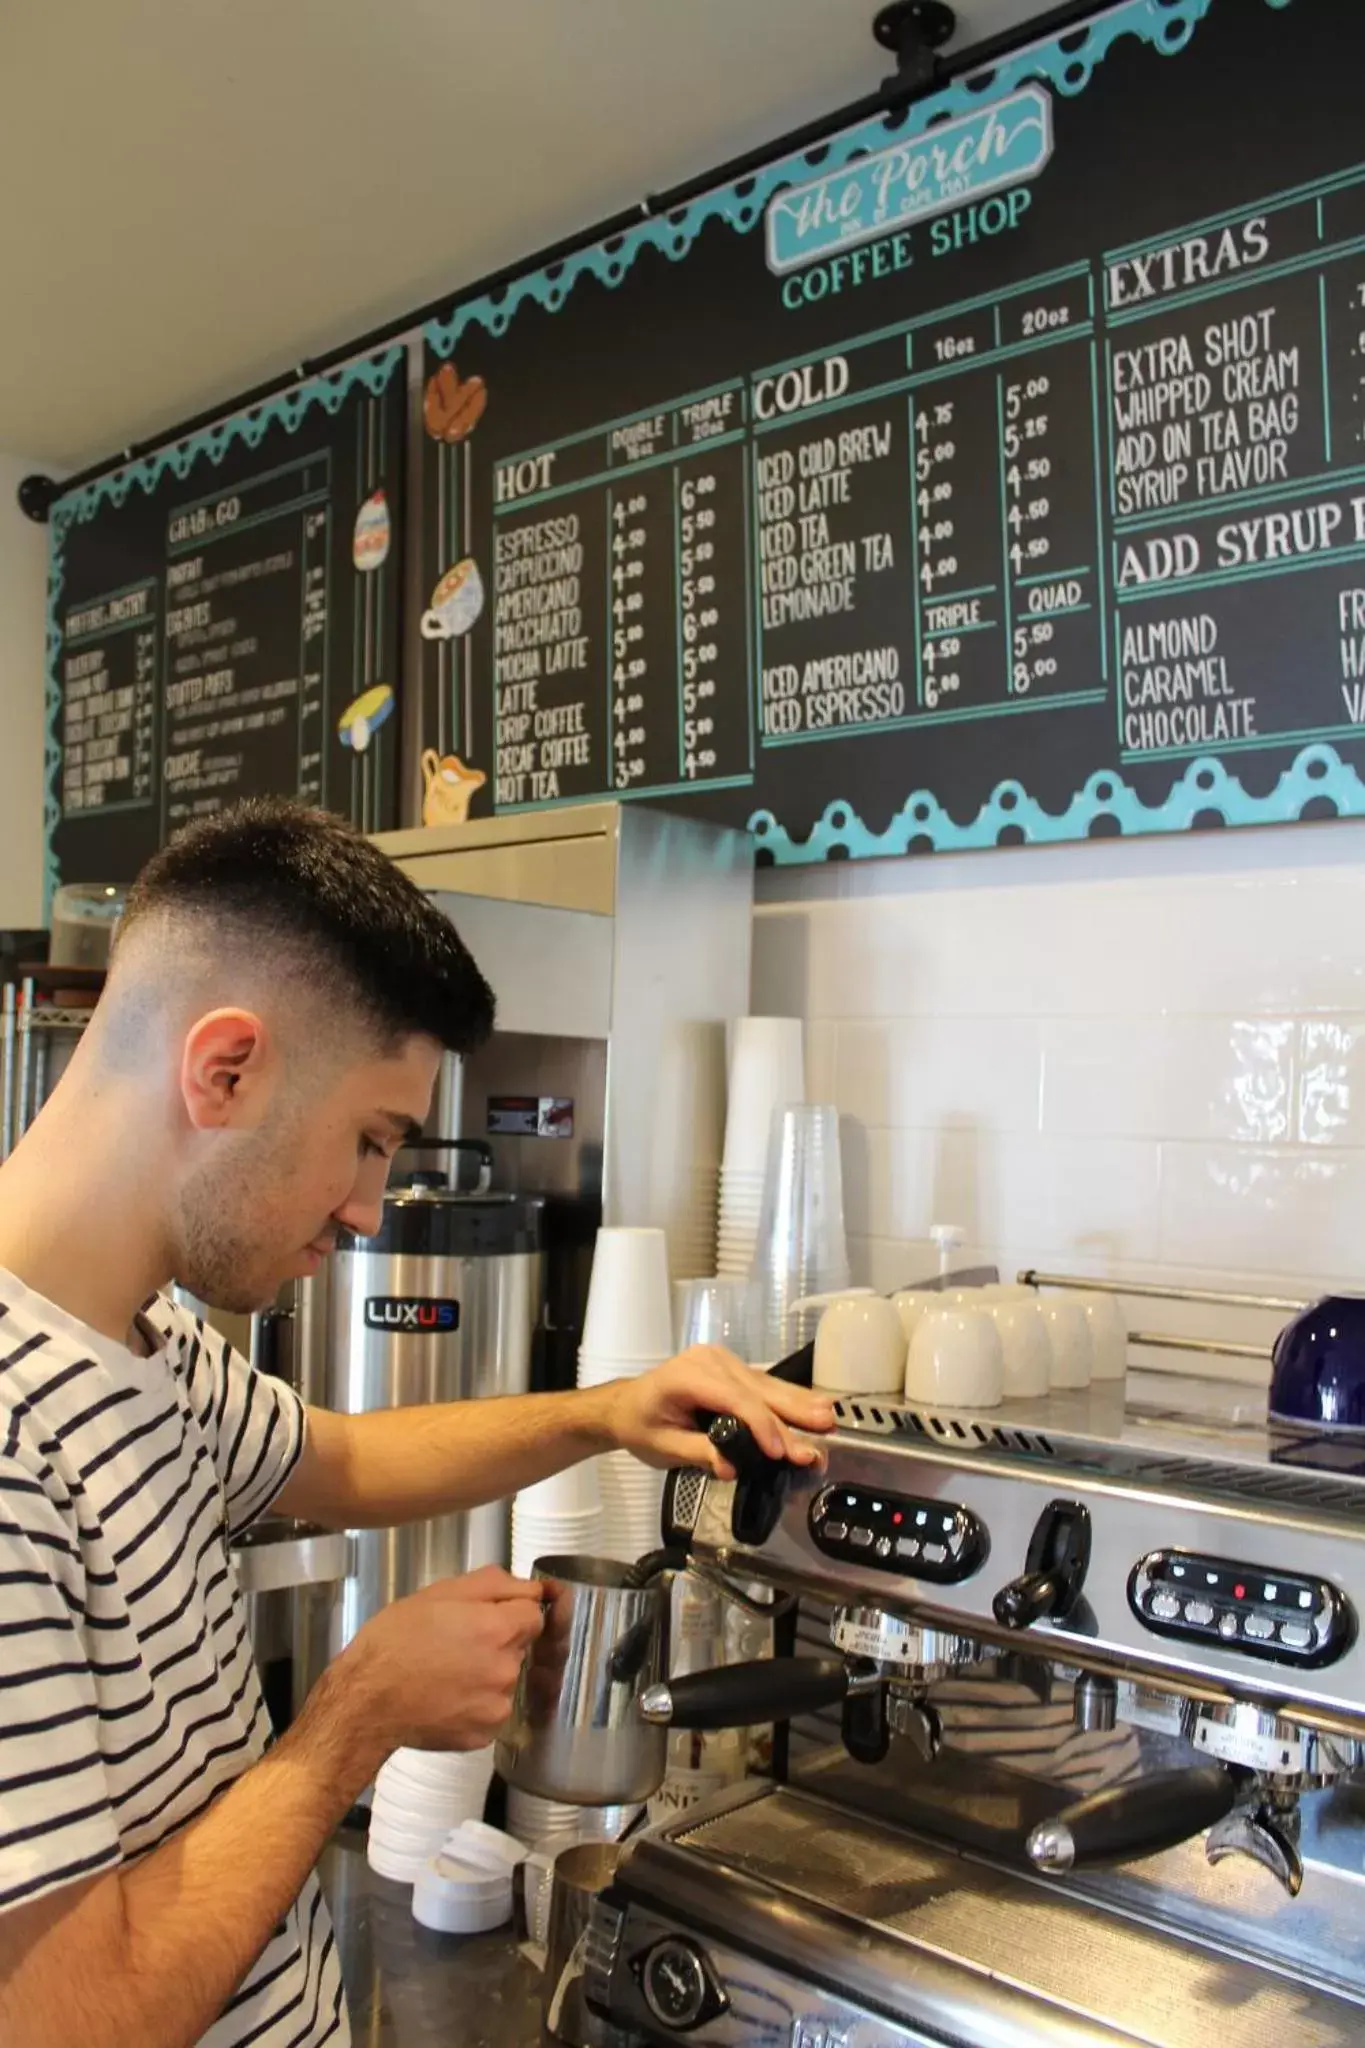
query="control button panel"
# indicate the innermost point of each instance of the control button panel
(1282, 1616)
(936, 1540)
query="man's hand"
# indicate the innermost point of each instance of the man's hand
(655, 1416)
(150, 1952)
(438, 1669)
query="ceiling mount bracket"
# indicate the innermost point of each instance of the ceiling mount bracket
(914, 31)
(36, 494)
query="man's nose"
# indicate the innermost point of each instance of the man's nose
(362, 1212)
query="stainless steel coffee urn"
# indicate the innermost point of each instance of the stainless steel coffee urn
(442, 1304)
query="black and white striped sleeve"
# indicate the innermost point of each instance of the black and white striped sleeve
(56, 1821)
(255, 1425)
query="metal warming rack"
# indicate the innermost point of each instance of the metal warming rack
(1204, 1297)
(34, 1032)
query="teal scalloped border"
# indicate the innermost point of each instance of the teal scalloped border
(288, 408)
(1012, 817)
(1166, 24)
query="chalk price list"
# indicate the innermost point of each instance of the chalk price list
(639, 557)
(1237, 484)
(835, 564)
(246, 623)
(110, 671)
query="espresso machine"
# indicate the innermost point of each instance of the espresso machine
(1094, 1698)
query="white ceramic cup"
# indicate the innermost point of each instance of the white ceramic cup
(1026, 1346)
(956, 1360)
(912, 1304)
(860, 1347)
(1073, 1352)
(1108, 1336)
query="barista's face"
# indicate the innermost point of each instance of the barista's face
(307, 1154)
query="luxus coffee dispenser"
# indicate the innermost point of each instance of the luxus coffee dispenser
(617, 942)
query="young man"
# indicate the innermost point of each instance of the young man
(270, 1033)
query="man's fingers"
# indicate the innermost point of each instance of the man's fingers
(492, 1582)
(527, 1618)
(796, 1404)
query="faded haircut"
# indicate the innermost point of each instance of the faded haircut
(305, 890)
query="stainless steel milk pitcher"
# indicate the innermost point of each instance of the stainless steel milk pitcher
(575, 1732)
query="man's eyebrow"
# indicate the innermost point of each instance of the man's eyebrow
(405, 1128)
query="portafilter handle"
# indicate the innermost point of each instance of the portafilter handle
(1155, 1812)
(747, 1695)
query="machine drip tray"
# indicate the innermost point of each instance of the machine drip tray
(1145, 1983)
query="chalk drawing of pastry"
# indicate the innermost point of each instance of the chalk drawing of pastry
(452, 406)
(373, 533)
(456, 602)
(362, 718)
(449, 788)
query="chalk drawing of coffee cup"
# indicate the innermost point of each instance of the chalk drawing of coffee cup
(456, 602)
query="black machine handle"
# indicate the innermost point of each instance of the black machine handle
(1054, 1570)
(762, 1481)
(745, 1695)
(1153, 1813)
(479, 1147)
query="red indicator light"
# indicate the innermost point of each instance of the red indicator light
(1239, 1592)
(896, 1521)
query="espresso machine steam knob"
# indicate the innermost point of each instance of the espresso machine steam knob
(760, 1481)
(1054, 1570)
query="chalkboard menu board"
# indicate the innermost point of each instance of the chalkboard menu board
(223, 621)
(994, 472)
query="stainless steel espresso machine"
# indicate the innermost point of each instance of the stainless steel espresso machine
(1092, 1777)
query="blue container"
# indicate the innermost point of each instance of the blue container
(1318, 1380)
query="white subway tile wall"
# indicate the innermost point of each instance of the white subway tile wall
(1143, 1060)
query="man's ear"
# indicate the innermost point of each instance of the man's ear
(224, 1070)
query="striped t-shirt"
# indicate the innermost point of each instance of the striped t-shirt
(128, 1695)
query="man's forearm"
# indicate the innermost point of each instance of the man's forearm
(400, 1464)
(153, 1951)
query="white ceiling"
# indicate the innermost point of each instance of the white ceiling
(202, 192)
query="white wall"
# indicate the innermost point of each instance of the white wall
(23, 594)
(1144, 1059)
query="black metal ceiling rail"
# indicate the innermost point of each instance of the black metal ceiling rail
(37, 493)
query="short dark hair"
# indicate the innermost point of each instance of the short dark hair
(279, 874)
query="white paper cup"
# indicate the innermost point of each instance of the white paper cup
(767, 1069)
(572, 1491)
(630, 1311)
(400, 1866)
(956, 1360)
(1026, 1347)
(1108, 1336)
(860, 1347)
(436, 1769)
(1073, 1352)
